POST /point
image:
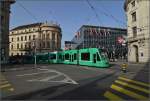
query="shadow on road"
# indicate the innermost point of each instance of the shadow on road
(87, 89)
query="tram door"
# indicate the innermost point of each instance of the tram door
(72, 57)
(94, 58)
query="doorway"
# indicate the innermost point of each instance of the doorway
(135, 52)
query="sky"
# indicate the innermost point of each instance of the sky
(70, 14)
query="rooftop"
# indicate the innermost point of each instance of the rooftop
(26, 26)
(126, 3)
(51, 24)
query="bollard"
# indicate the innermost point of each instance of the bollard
(124, 68)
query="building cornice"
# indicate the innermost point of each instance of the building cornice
(102, 27)
(26, 26)
(9, 1)
(26, 33)
(34, 25)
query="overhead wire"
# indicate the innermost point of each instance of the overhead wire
(52, 15)
(94, 10)
(27, 11)
(113, 17)
(35, 43)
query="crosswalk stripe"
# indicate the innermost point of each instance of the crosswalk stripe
(1, 83)
(6, 85)
(11, 89)
(136, 82)
(133, 86)
(127, 92)
(112, 96)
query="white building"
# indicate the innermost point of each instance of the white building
(138, 21)
(46, 37)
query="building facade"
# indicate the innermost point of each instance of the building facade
(68, 45)
(44, 37)
(138, 21)
(110, 39)
(4, 29)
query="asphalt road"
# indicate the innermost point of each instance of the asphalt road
(67, 82)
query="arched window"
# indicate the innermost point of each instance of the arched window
(11, 46)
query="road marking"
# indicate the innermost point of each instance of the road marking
(127, 92)
(1, 83)
(11, 89)
(45, 79)
(133, 86)
(112, 97)
(33, 73)
(49, 79)
(3, 86)
(67, 78)
(133, 81)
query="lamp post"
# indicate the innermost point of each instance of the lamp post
(35, 56)
(34, 46)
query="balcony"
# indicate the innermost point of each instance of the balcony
(136, 38)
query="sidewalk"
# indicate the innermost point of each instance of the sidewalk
(137, 71)
(130, 64)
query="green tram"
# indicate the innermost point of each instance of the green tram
(55, 57)
(89, 57)
(42, 58)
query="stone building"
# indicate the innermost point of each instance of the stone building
(45, 37)
(138, 22)
(4, 29)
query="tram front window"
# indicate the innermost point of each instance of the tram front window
(52, 56)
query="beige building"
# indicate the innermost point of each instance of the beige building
(4, 29)
(138, 21)
(45, 37)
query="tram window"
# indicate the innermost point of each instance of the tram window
(53, 56)
(75, 56)
(66, 56)
(98, 58)
(40, 57)
(85, 56)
